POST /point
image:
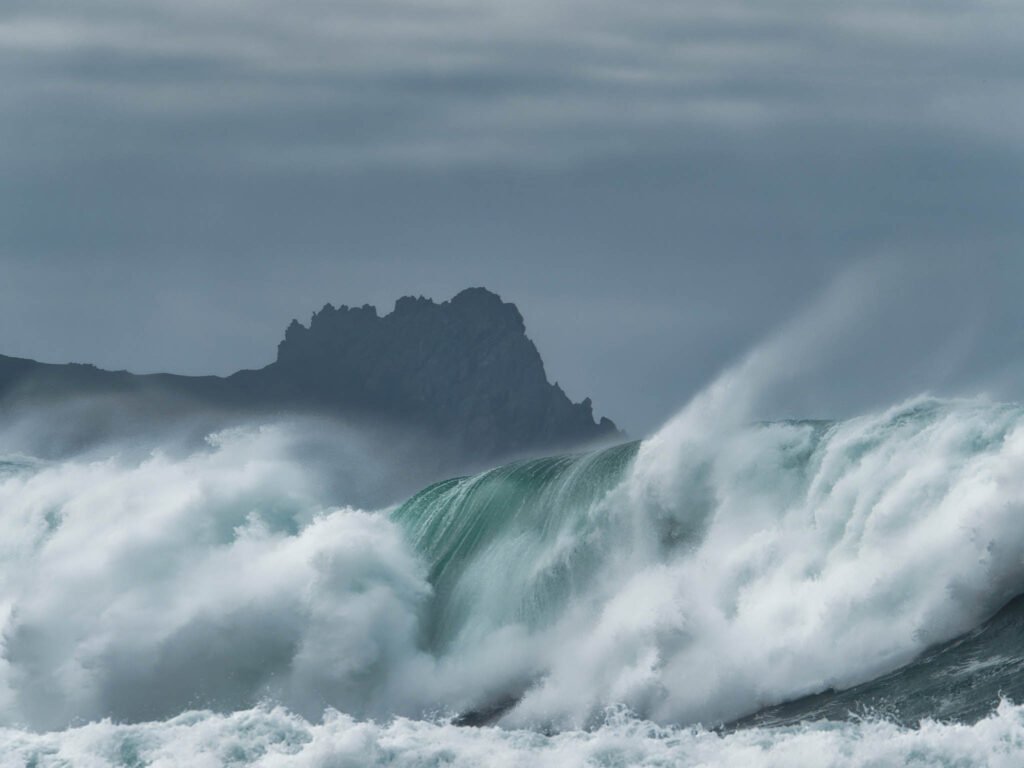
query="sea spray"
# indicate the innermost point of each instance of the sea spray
(826, 557)
(765, 563)
(694, 578)
(138, 589)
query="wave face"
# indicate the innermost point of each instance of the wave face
(714, 572)
(513, 546)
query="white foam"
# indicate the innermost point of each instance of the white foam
(819, 563)
(139, 589)
(275, 738)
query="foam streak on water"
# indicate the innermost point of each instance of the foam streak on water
(273, 738)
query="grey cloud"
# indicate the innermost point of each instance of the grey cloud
(655, 183)
(526, 80)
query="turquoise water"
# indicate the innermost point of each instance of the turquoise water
(525, 529)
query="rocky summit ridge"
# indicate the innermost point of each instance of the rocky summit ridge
(463, 371)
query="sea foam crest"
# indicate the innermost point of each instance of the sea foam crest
(724, 570)
(714, 569)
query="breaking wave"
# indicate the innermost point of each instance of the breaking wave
(716, 573)
(699, 577)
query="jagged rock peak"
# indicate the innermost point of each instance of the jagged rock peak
(464, 366)
(462, 371)
(478, 305)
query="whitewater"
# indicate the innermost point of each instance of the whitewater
(786, 593)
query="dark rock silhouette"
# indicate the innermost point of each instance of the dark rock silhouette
(462, 372)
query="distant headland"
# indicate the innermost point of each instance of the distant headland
(462, 371)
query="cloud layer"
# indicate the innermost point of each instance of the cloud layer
(653, 182)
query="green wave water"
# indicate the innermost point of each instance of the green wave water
(526, 524)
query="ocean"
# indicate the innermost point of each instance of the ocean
(722, 593)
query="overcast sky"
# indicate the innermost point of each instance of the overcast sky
(656, 183)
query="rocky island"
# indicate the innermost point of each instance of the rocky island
(462, 372)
